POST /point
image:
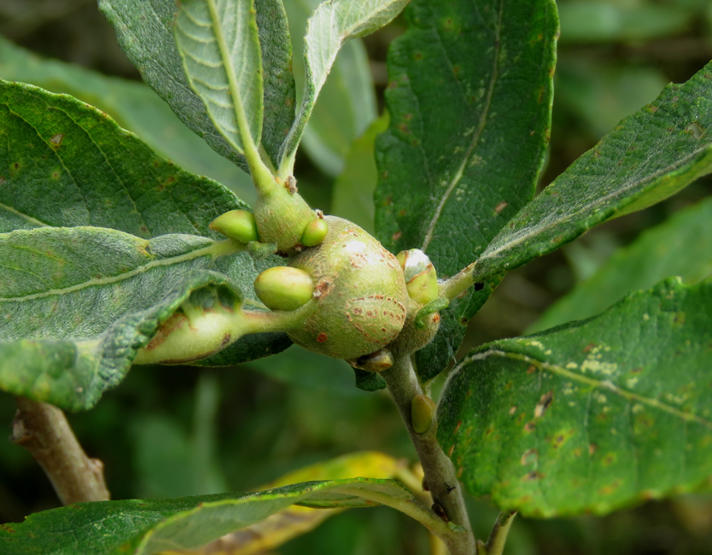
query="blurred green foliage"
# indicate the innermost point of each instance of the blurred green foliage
(172, 431)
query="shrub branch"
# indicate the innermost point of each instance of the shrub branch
(440, 478)
(44, 431)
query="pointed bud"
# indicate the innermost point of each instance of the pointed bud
(422, 413)
(420, 276)
(314, 232)
(375, 362)
(236, 224)
(284, 287)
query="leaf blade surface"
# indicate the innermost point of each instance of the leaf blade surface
(590, 416)
(467, 138)
(650, 155)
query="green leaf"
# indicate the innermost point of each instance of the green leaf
(591, 416)
(648, 157)
(77, 303)
(67, 164)
(133, 105)
(469, 94)
(333, 23)
(145, 29)
(347, 102)
(145, 526)
(70, 165)
(220, 47)
(673, 248)
(295, 520)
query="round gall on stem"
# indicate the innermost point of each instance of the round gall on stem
(359, 291)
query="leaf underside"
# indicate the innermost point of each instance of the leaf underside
(145, 29)
(331, 24)
(152, 526)
(590, 416)
(72, 169)
(218, 41)
(648, 157)
(466, 141)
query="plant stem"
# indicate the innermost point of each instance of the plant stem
(461, 281)
(498, 536)
(448, 501)
(43, 430)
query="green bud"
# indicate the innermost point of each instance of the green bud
(284, 287)
(420, 276)
(314, 232)
(281, 215)
(422, 413)
(236, 224)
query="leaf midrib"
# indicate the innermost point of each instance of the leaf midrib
(607, 385)
(475, 139)
(598, 202)
(215, 249)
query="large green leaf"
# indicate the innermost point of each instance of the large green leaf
(143, 527)
(648, 157)
(673, 248)
(133, 105)
(590, 416)
(77, 303)
(220, 47)
(67, 164)
(70, 165)
(470, 101)
(333, 23)
(145, 29)
(347, 102)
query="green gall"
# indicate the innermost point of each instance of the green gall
(236, 224)
(420, 276)
(284, 287)
(359, 291)
(281, 215)
(422, 413)
(203, 325)
(314, 232)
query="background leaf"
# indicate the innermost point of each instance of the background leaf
(220, 47)
(449, 173)
(137, 526)
(333, 23)
(352, 196)
(606, 20)
(346, 104)
(590, 416)
(145, 32)
(133, 105)
(673, 248)
(648, 157)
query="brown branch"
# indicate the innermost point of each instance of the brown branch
(43, 430)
